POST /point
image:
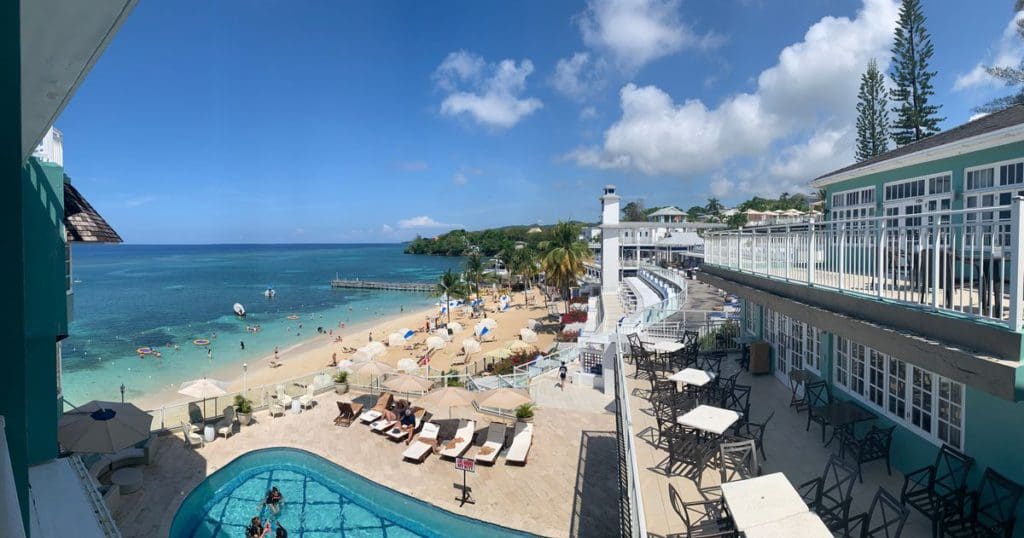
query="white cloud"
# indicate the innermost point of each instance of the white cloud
(490, 94)
(635, 32)
(588, 113)
(463, 174)
(578, 76)
(137, 201)
(800, 110)
(421, 221)
(1008, 53)
(414, 166)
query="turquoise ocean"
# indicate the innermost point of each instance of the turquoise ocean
(132, 296)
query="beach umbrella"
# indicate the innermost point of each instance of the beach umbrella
(532, 324)
(103, 427)
(435, 342)
(447, 397)
(362, 355)
(406, 332)
(346, 365)
(503, 398)
(498, 354)
(376, 349)
(372, 368)
(408, 383)
(408, 364)
(396, 339)
(490, 323)
(515, 346)
(527, 335)
(455, 326)
(203, 388)
(470, 345)
(443, 333)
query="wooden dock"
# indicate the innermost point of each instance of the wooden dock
(378, 285)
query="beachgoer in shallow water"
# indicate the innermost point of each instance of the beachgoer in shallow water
(209, 354)
(255, 528)
(242, 343)
(274, 500)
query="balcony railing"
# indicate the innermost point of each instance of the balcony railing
(964, 261)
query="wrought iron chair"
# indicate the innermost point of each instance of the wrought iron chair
(817, 396)
(737, 460)
(712, 362)
(940, 487)
(738, 399)
(664, 416)
(797, 378)
(885, 519)
(755, 432)
(830, 495)
(989, 512)
(703, 519)
(875, 445)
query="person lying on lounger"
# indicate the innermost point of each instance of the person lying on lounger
(408, 423)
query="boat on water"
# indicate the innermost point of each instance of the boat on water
(239, 310)
(269, 293)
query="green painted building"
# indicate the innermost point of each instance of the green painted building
(907, 298)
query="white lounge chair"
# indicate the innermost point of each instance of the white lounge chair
(424, 443)
(276, 409)
(495, 441)
(192, 439)
(383, 402)
(463, 438)
(306, 400)
(397, 433)
(226, 425)
(282, 397)
(521, 442)
(382, 425)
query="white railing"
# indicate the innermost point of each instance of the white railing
(965, 261)
(100, 509)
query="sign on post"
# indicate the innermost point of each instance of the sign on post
(465, 465)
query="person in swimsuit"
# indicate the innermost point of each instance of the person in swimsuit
(274, 499)
(562, 372)
(281, 531)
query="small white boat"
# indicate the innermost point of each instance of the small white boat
(269, 293)
(239, 310)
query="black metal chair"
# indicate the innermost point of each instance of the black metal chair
(989, 512)
(817, 396)
(830, 495)
(738, 399)
(939, 488)
(703, 519)
(797, 378)
(712, 362)
(885, 519)
(737, 460)
(664, 416)
(755, 431)
(875, 445)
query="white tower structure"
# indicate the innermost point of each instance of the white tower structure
(609, 241)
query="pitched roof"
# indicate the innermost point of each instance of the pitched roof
(993, 122)
(82, 222)
(667, 211)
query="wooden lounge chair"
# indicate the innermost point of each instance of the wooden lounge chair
(226, 425)
(347, 412)
(521, 441)
(463, 438)
(384, 402)
(397, 433)
(424, 444)
(494, 443)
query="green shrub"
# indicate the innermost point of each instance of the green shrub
(243, 404)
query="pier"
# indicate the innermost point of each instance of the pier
(378, 285)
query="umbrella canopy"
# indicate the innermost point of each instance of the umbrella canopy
(532, 324)
(447, 397)
(490, 323)
(203, 388)
(443, 333)
(346, 365)
(376, 349)
(406, 332)
(103, 427)
(396, 339)
(479, 329)
(516, 346)
(435, 342)
(408, 364)
(503, 398)
(470, 346)
(498, 354)
(408, 383)
(527, 335)
(455, 326)
(371, 368)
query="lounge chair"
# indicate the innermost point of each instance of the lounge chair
(195, 417)
(276, 409)
(397, 433)
(192, 439)
(424, 444)
(306, 400)
(383, 403)
(282, 397)
(521, 441)
(226, 425)
(463, 438)
(347, 412)
(382, 425)
(494, 443)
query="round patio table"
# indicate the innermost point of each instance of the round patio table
(129, 479)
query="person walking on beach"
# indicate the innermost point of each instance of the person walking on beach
(371, 336)
(334, 359)
(242, 343)
(562, 372)
(275, 353)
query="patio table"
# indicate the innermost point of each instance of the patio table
(761, 500)
(667, 347)
(805, 525)
(709, 418)
(844, 414)
(692, 376)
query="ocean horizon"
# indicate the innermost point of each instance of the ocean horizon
(165, 297)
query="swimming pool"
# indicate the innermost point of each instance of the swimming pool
(321, 500)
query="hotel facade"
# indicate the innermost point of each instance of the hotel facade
(907, 297)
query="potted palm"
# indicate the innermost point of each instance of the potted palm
(524, 413)
(341, 382)
(243, 410)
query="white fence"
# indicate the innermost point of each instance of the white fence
(964, 261)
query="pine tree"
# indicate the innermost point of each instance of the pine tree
(915, 118)
(1010, 76)
(872, 114)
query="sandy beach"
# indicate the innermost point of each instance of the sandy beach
(314, 355)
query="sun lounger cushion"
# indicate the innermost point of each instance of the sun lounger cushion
(382, 425)
(495, 441)
(463, 438)
(424, 443)
(520, 443)
(370, 416)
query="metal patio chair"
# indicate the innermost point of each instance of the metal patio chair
(703, 519)
(939, 488)
(755, 432)
(885, 519)
(989, 512)
(817, 396)
(875, 445)
(830, 495)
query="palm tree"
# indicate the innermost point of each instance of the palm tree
(524, 263)
(714, 206)
(475, 271)
(450, 286)
(564, 258)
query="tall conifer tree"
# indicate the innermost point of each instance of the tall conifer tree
(912, 48)
(872, 114)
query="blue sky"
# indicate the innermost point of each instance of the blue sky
(278, 121)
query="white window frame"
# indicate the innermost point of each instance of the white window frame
(812, 343)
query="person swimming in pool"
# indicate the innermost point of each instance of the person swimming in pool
(257, 529)
(274, 500)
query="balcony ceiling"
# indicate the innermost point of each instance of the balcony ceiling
(60, 42)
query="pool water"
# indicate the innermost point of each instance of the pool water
(321, 499)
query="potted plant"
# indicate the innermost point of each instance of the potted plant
(524, 413)
(341, 382)
(243, 409)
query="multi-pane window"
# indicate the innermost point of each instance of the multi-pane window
(897, 383)
(981, 179)
(921, 400)
(1011, 174)
(813, 349)
(842, 362)
(853, 204)
(796, 344)
(950, 417)
(751, 313)
(857, 368)
(906, 189)
(876, 378)
(782, 345)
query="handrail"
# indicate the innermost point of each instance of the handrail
(632, 520)
(99, 507)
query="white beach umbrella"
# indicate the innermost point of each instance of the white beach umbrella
(406, 332)
(470, 345)
(408, 364)
(455, 326)
(532, 324)
(371, 368)
(362, 355)
(408, 383)
(490, 323)
(527, 335)
(203, 388)
(515, 346)
(346, 365)
(396, 339)
(443, 333)
(503, 398)
(377, 349)
(103, 427)
(435, 342)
